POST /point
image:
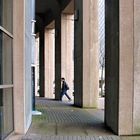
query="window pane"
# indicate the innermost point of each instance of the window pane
(6, 14)
(0, 12)
(6, 112)
(6, 60)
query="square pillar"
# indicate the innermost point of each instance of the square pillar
(112, 64)
(67, 63)
(86, 45)
(22, 41)
(49, 62)
(122, 107)
(58, 55)
(136, 97)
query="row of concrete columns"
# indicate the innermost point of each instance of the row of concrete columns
(122, 104)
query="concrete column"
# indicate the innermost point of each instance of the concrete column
(67, 50)
(112, 64)
(18, 56)
(86, 71)
(136, 99)
(41, 62)
(58, 55)
(22, 41)
(122, 67)
(49, 62)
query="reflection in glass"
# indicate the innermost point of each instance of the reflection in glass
(6, 112)
(6, 13)
(6, 61)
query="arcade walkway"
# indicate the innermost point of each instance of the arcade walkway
(62, 121)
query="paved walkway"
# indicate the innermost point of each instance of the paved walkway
(62, 121)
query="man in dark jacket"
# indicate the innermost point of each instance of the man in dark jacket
(64, 89)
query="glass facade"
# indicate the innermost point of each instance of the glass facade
(6, 68)
(6, 14)
(6, 112)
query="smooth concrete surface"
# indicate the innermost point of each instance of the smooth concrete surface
(29, 42)
(90, 54)
(122, 67)
(112, 64)
(126, 72)
(58, 55)
(49, 62)
(78, 51)
(136, 100)
(22, 41)
(19, 68)
(86, 60)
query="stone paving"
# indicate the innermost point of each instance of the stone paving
(62, 121)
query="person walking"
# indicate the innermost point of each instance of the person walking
(64, 89)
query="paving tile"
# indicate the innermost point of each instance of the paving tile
(62, 121)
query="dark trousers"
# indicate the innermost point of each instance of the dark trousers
(64, 92)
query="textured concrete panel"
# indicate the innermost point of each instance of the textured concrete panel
(86, 53)
(136, 115)
(78, 54)
(49, 62)
(58, 55)
(22, 42)
(126, 67)
(112, 64)
(67, 55)
(19, 77)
